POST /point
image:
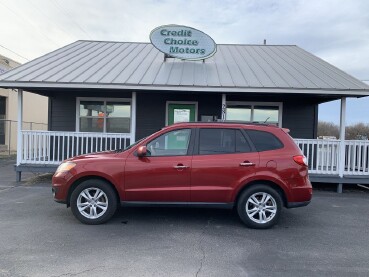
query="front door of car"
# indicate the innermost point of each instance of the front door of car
(164, 174)
(223, 159)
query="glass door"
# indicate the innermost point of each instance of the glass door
(181, 113)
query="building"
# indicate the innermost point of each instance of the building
(35, 110)
(105, 95)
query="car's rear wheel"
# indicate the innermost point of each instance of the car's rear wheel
(259, 206)
(93, 202)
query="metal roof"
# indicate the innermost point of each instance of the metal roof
(234, 68)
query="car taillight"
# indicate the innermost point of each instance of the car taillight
(301, 160)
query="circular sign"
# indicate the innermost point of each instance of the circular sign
(183, 42)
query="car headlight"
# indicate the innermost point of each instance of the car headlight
(65, 167)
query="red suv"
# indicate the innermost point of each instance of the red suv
(256, 168)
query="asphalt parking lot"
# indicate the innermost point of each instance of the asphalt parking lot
(39, 237)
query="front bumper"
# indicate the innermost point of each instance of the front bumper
(60, 186)
(54, 192)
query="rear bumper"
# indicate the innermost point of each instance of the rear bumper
(300, 191)
(291, 205)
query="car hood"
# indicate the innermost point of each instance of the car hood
(99, 155)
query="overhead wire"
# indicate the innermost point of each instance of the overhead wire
(60, 8)
(30, 21)
(14, 52)
(53, 21)
(70, 17)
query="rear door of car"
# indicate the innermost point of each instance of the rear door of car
(223, 159)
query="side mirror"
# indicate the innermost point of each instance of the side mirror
(141, 151)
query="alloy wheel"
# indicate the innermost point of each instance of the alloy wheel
(261, 207)
(92, 203)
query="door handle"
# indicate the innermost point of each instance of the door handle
(181, 166)
(246, 163)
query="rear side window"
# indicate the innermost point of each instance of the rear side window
(264, 141)
(222, 141)
(242, 146)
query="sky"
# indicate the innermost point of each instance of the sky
(334, 30)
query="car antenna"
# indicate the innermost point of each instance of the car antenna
(266, 119)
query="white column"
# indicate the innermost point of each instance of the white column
(133, 117)
(224, 106)
(342, 136)
(19, 127)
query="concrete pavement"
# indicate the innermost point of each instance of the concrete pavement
(39, 237)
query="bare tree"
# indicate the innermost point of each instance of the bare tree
(357, 131)
(328, 129)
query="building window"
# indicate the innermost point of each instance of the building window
(104, 116)
(270, 113)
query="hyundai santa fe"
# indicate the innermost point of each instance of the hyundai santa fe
(256, 169)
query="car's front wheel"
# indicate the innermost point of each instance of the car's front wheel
(93, 202)
(259, 206)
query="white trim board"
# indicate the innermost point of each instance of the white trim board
(318, 91)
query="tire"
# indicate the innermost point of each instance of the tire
(93, 202)
(259, 206)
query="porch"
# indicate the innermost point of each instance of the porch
(337, 161)
(329, 160)
(43, 151)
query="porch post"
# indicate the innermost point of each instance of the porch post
(341, 167)
(19, 133)
(133, 117)
(224, 106)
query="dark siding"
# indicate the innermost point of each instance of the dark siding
(63, 113)
(151, 109)
(300, 114)
(300, 118)
(62, 106)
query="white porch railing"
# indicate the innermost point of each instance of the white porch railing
(357, 157)
(51, 148)
(324, 156)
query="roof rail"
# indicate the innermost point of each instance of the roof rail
(228, 122)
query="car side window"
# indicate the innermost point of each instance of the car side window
(222, 141)
(173, 143)
(216, 141)
(264, 141)
(242, 146)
